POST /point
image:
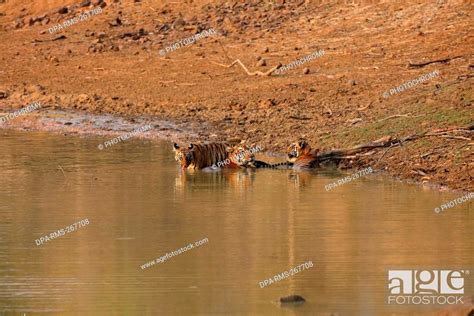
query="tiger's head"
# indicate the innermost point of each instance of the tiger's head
(184, 156)
(240, 155)
(298, 149)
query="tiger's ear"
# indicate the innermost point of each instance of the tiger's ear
(175, 146)
(302, 144)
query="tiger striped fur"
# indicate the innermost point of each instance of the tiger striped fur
(262, 164)
(199, 156)
(302, 156)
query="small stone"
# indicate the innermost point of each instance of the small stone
(3, 94)
(306, 71)
(312, 90)
(261, 63)
(352, 83)
(266, 50)
(292, 299)
(63, 10)
(178, 23)
(31, 21)
(85, 3)
(82, 98)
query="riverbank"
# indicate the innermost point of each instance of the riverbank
(363, 88)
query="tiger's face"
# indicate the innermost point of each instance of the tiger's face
(241, 155)
(184, 156)
(298, 149)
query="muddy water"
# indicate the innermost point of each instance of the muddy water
(258, 224)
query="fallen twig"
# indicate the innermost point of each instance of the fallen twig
(390, 142)
(398, 115)
(328, 110)
(256, 73)
(443, 61)
(299, 118)
(354, 121)
(365, 107)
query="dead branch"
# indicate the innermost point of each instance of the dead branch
(354, 121)
(299, 118)
(365, 107)
(398, 115)
(390, 142)
(256, 73)
(328, 110)
(443, 61)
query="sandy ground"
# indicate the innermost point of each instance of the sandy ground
(110, 63)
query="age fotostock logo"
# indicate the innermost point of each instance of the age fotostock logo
(426, 286)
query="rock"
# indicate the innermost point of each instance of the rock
(82, 98)
(3, 94)
(63, 10)
(352, 83)
(36, 88)
(31, 21)
(306, 71)
(85, 3)
(266, 50)
(267, 103)
(261, 63)
(295, 299)
(19, 23)
(178, 23)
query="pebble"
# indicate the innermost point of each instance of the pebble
(292, 299)
(261, 63)
(63, 10)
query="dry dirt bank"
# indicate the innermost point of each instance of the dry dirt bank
(110, 63)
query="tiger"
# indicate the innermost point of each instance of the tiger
(240, 156)
(262, 164)
(302, 156)
(215, 155)
(244, 157)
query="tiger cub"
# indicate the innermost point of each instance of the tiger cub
(216, 155)
(302, 156)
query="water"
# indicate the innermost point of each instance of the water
(258, 223)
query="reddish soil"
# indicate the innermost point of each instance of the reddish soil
(110, 63)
